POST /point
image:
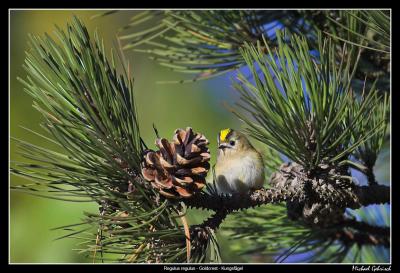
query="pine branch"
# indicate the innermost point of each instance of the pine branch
(237, 201)
(379, 237)
(366, 195)
(373, 194)
(223, 205)
(360, 233)
(203, 231)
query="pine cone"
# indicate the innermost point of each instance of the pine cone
(179, 168)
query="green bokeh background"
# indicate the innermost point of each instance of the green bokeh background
(170, 106)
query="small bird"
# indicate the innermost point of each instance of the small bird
(239, 166)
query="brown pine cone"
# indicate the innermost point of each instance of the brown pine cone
(178, 169)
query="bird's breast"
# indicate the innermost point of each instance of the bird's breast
(239, 174)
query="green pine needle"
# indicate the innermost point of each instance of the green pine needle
(89, 110)
(302, 106)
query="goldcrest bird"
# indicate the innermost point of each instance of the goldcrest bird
(239, 166)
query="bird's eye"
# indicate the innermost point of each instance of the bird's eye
(232, 142)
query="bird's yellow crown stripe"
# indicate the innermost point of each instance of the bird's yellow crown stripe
(223, 134)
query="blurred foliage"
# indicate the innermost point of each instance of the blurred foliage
(206, 43)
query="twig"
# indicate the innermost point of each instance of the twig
(201, 232)
(187, 234)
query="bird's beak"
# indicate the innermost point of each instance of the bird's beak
(222, 146)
